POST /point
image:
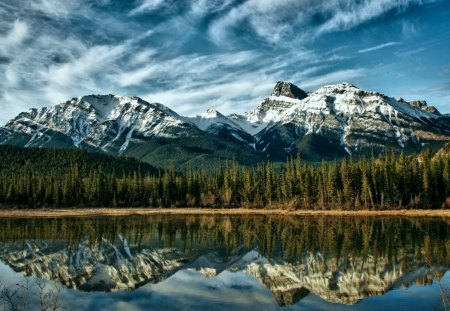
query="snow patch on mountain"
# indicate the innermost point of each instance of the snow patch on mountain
(210, 118)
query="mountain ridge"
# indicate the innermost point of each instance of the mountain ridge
(339, 119)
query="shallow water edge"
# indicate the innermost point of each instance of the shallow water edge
(88, 212)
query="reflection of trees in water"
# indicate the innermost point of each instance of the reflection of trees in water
(401, 240)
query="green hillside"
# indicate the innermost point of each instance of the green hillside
(58, 161)
(205, 151)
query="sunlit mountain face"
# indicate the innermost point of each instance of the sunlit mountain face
(224, 55)
(343, 260)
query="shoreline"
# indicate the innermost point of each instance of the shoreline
(95, 212)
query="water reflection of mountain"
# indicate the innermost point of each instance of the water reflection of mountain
(340, 260)
(341, 283)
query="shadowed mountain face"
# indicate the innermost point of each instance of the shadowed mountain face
(329, 123)
(339, 260)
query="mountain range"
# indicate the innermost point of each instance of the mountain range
(331, 122)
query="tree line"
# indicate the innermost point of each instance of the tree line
(387, 181)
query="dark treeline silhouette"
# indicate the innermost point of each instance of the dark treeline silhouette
(30, 179)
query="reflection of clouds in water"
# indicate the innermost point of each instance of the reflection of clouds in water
(414, 297)
(7, 275)
(190, 290)
(185, 290)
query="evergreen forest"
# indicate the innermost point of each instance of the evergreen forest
(53, 178)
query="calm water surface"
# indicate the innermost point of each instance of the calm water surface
(172, 262)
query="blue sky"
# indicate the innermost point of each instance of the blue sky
(199, 54)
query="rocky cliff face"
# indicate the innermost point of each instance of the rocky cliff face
(422, 104)
(287, 89)
(334, 121)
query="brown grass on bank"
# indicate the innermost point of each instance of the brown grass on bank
(89, 212)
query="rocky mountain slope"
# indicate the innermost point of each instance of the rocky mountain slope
(332, 122)
(101, 122)
(340, 120)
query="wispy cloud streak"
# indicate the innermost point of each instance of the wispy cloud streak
(146, 6)
(378, 47)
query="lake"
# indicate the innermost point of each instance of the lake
(182, 262)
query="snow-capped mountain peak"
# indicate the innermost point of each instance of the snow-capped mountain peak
(105, 122)
(210, 117)
(212, 121)
(338, 88)
(103, 104)
(211, 113)
(108, 106)
(284, 96)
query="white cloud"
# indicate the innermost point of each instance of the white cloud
(199, 8)
(136, 77)
(146, 6)
(378, 47)
(411, 53)
(301, 77)
(142, 57)
(23, 86)
(409, 30)
(351, 14)
(49, 69)
(56, 8)
(18, 33)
